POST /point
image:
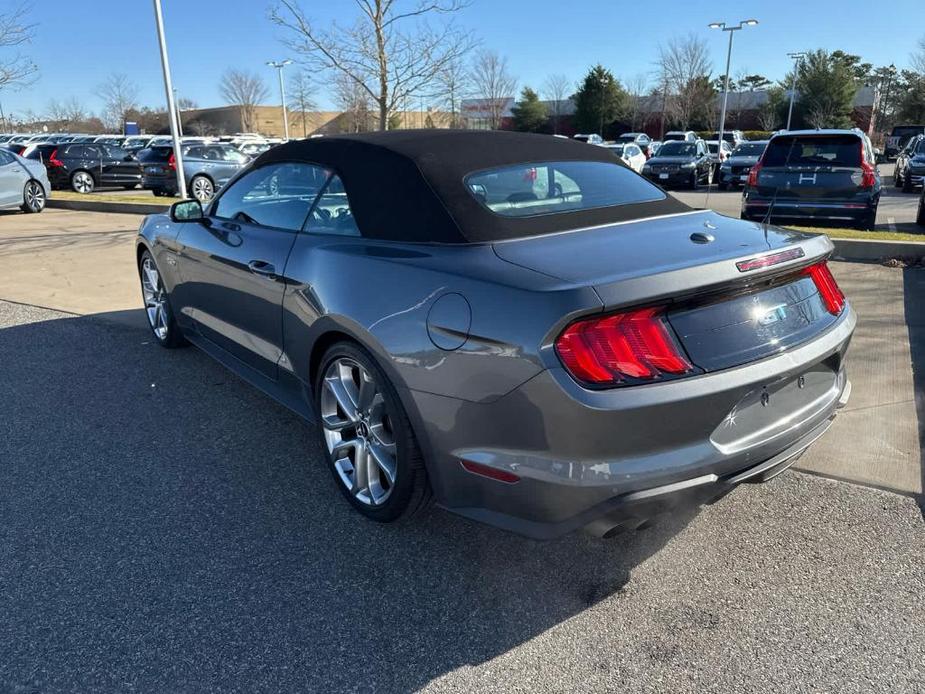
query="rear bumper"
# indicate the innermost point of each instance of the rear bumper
(838, 211)
(601, 459)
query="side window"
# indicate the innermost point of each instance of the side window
(332, 214)
(194, 153)
(77, 152)
(278, 195)
(92, 152)
(5, 158)
(117, 153)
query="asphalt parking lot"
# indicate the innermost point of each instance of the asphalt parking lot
(164, 527)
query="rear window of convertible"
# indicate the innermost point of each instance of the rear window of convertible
(526, 190)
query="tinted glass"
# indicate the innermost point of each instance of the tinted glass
(920, 147)
(907, 130)
(278, 195)
(549, 188)
(5, 158)
(232, 155)
(814, 150)
(676, 148)
(154, 154)
(749, 150)
(117, 153)
(42, 152)
(332, 213)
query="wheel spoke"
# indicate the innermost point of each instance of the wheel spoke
(341, 447)
(383, 459)
(367, 391)
(360, 470)
(336, 385)
(335, 423)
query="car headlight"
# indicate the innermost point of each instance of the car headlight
(646, 167)
(689, 165)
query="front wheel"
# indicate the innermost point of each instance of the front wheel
(868, 222)
(920, 217)
(907, 184)
(157, 305)
(202, 188)
(33, 198)
(372, 450)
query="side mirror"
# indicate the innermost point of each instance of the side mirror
(186, 211)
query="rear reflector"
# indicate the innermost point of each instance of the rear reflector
(831, 294)
(769, 260)
(490, 472)
(609, 350)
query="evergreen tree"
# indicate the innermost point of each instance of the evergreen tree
(599, 101)
(529, 113)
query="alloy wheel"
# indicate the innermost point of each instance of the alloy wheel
(82, 182)
(155, 298)
(35, 197)
(358, 431)
(202, 189)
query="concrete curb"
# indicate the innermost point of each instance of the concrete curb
(876, 250)
(114, 207)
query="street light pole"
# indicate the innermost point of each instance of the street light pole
(282, 91)
(797, 58)
(171, 105)
(722, 116)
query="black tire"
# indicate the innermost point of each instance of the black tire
(130, 187)
(722, 186)
(692, 182)
(199, 185)
(411, 491)
(33, 197)
(173, 337)
(907, 185)
(920, 217)
(868, 222)
(897, 180)
(82, 182)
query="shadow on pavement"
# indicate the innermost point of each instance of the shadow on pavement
(914, 304)
(165, 527)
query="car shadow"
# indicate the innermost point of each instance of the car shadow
(913, 291)
(164, 526)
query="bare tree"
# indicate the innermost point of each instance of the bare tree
(684, 66)
(557, 88)
(494, 84)
(453, 86)
(57, 112)
(390, 51)
(637, 87)
(186, 104)
(355, 102)
(16, 70)
(76, 113)
(119, 95)
(917, 59)
(244, 89)
(301, 88)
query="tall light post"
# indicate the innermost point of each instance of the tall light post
(171, 104)
(282, 91)
(797, 59)
(731, 29)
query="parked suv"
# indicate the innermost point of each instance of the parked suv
(591, 139)
(733, 137)
(734, 171)
(910, 165)
(680, 163)
(206, 169)
(815, 175)
(641, 140)
(683, 135)
(84, 167)
(899, 136)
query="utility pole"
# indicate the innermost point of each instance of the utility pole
(171, 105)
(797, 59)
(722, 115)
(282, 92)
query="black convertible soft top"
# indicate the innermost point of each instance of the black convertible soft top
(407, 185)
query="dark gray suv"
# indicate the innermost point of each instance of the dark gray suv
(206, 169)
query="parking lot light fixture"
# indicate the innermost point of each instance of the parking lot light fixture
(797, 58)
(171, 104)
(731, 29)
(282, 91)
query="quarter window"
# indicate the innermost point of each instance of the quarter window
(332, 213)
(5, 158)
(277, 195)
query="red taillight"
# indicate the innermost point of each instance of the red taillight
(490, 472)
(753, 175)
(54, 161)
(868, 179)
(172, 162)
(608, 350)
(832, 296)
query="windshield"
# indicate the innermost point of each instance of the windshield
(752, 149)
(814, 150)
(675, 148)
(527, 190)
(920, 147)
(626, 138)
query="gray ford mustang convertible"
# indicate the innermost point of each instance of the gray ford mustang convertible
(516, 325)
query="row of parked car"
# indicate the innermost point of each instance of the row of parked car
(85, 163)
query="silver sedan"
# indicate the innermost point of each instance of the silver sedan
(23, 183)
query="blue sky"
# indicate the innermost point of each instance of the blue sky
(77, 48)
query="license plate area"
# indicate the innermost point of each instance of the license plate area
(663, 176)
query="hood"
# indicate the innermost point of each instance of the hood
(670, 160)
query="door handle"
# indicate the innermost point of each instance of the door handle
(262, 268)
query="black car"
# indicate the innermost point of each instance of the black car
(920, 217)
(84, 167)
(910, 165)
(899, 136)
(815, 175)
(680, 163)
(734, 171)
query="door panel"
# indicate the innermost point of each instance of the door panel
(11, 181)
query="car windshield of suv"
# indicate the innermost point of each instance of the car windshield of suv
(752, 149)
(564, 186)
(625, 138)
(676, 148)
(814, 150)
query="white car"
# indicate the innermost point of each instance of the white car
(631, 154)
